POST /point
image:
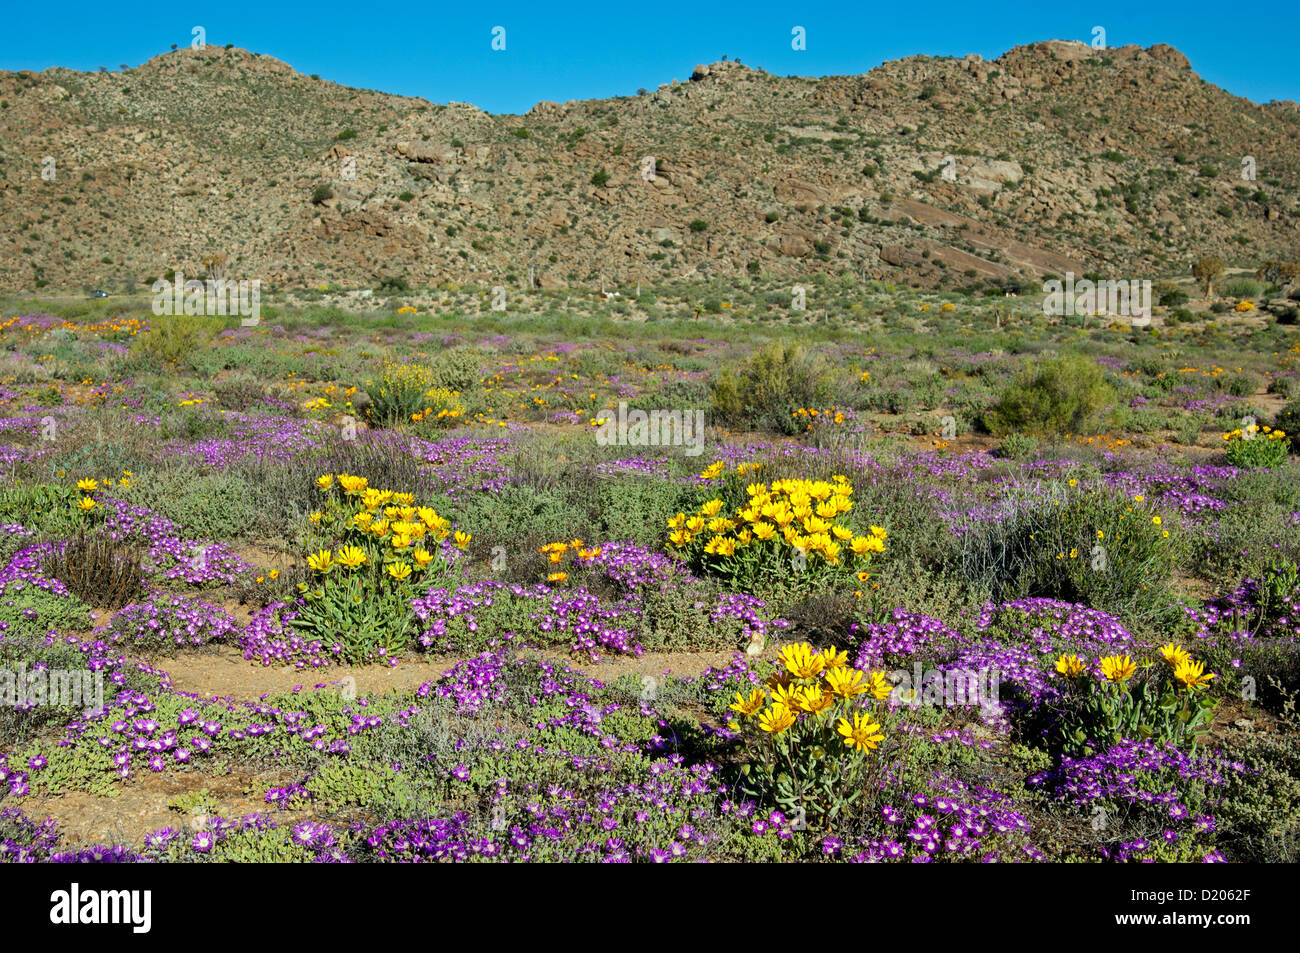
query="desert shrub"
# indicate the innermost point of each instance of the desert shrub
(237, 394)
(201, 503)
(1241, 385)
(1094, 547)
(1288, 421)
(1017, 446)
(1283, 387)
(1243, 288)
(770, 386)
(1256, 817)
(399, 393)
(638, 512)
(458, 369)
(99, 571)
(176, 338)
(522, 519)
(1055, 396)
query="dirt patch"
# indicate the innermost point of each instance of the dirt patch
(141, 806)
(222, 672)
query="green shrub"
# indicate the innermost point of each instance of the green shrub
(1242, 288)
(399, 393)
(177, 338)
(771, 386)
(202, 503)
(1241, 385)
(1055, 396)
(458, 369)
(1095, 547)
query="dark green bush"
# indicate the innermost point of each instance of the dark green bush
(1057, 395)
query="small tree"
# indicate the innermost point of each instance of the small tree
(1206, 271)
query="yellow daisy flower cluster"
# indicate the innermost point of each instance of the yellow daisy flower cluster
(1118, 669)
(380, 528)
(90, 486)
(556, 553)
(1250, 432)
(1187, 671)
(443, 404)
(718, 469)
(812, 415)
(813, 684)
(802, 515)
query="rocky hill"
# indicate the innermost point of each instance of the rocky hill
(935, 171)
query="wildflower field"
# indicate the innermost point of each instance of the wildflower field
(947, 586)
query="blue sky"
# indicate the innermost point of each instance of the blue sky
(443, 52)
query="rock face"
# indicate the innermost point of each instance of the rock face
(425, 151)
(923, 171)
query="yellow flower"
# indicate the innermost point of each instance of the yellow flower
(802, 660)
(1118, 669)
(862, 733)
(1193, 675)
(399, 570)
(351, 557)
(776, 719)
(422, 557)
(352, 485)
(557, 577)
(326, 481)
(835, 659)
(878, 685)
(88, 486)
(812, 699)
(711, 508)
(1070, 666)
(1156, 520)
(1175, 655)
(748, 706)
(322, 561)
(846, 682)
(86, 504)
(679, 537)
(462, 539)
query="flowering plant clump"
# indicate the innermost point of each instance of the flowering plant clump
(809, 734)
(442, 408)
(373, 551)
(1254, 446)
(786, 530)
(1166, 703)
(407, 393)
